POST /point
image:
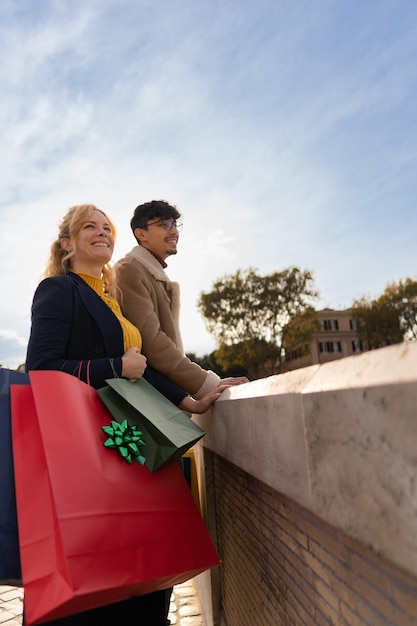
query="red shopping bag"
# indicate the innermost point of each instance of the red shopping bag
(93, 529)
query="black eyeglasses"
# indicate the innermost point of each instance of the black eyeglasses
(167, 224)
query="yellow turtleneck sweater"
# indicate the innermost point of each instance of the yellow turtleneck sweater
(131, 335)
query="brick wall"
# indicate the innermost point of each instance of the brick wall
(281, 565)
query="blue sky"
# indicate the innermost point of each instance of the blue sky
(284, 131)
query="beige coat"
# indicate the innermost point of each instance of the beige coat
(151, 301)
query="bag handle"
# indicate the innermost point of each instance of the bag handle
(87, 371)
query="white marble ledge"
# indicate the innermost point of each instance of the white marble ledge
(385, 366)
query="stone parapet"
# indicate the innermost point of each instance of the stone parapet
(340, 439)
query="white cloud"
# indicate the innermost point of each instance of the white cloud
(12, 349)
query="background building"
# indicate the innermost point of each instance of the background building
(336, 338)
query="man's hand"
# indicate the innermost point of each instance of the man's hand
(232, 382)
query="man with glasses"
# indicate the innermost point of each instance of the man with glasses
(151, 301)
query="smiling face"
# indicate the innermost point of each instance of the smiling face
(92, 246)
(160, 236)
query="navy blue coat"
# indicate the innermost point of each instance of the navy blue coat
(74, 331)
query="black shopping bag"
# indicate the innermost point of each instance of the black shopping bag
(166, 430)
(9, 540)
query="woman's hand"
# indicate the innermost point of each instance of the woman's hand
(190, 406)
(133, 364)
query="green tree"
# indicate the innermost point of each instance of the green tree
(300, 331)
(402, 296)
(250, 310)
(377, 323)
(389, 319)
(254, 358)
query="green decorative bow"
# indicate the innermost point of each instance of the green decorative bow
(126, 440)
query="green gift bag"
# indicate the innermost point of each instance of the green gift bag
(166, 430)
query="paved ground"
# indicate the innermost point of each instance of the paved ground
(184, 610)
(10, 605)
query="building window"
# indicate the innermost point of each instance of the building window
(353, 325)
(329, 324)
(330, 346)
(357, 345)
(292, 355)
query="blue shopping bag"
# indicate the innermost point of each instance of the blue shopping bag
(9, 540)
